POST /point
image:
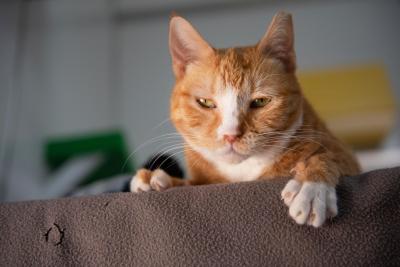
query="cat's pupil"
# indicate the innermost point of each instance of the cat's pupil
(206, 103)
(259, 102)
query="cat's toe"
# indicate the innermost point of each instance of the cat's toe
(312, 203)
(318, 210)
(290, 191)
(160, 180)
(139, 182)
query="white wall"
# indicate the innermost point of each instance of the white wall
(327, 34)
(8, 29)
(64, 83)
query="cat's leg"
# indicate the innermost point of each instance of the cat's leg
(311, 195)
(158, 180)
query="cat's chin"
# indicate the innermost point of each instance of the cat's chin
(231, 156)
(225, 154)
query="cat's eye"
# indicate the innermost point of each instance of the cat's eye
(206, 103)
(260, 102)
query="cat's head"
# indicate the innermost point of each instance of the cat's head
(237, 102)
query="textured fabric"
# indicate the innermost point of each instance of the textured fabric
(227, 224)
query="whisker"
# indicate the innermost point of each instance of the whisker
(170, 156)
(281, 147)
(160, 124)
(168, 149)
(150, 141)
(305, 138)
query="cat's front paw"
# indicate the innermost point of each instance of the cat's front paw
(310, 202)
(146, 180)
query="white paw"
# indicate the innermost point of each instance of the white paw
(160, 180)
(137, 185)
(310, 202)
(146, 180)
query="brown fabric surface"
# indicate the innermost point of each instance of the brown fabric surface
(229, 225)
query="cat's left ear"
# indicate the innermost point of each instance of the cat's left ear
(278, 41)
(186, 45)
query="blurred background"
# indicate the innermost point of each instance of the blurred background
(85, 83)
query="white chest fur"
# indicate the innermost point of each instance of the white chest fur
(247, 170)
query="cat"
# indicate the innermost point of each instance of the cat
(243, 117)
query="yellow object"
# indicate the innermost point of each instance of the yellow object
(356, 102)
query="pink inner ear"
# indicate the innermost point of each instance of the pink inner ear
(278, 41)
(179, 53)
(186, 45)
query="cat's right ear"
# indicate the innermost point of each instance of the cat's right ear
(186, 45)
(278, 41)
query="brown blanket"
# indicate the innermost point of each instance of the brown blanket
(230, 225)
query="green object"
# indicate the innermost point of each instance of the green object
(110, 144)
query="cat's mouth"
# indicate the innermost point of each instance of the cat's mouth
(228, 154)
(231, 155)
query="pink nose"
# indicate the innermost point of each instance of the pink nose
(230, 138)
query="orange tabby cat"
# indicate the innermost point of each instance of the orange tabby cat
(243, 117)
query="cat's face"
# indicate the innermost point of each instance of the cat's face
(238, 102)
